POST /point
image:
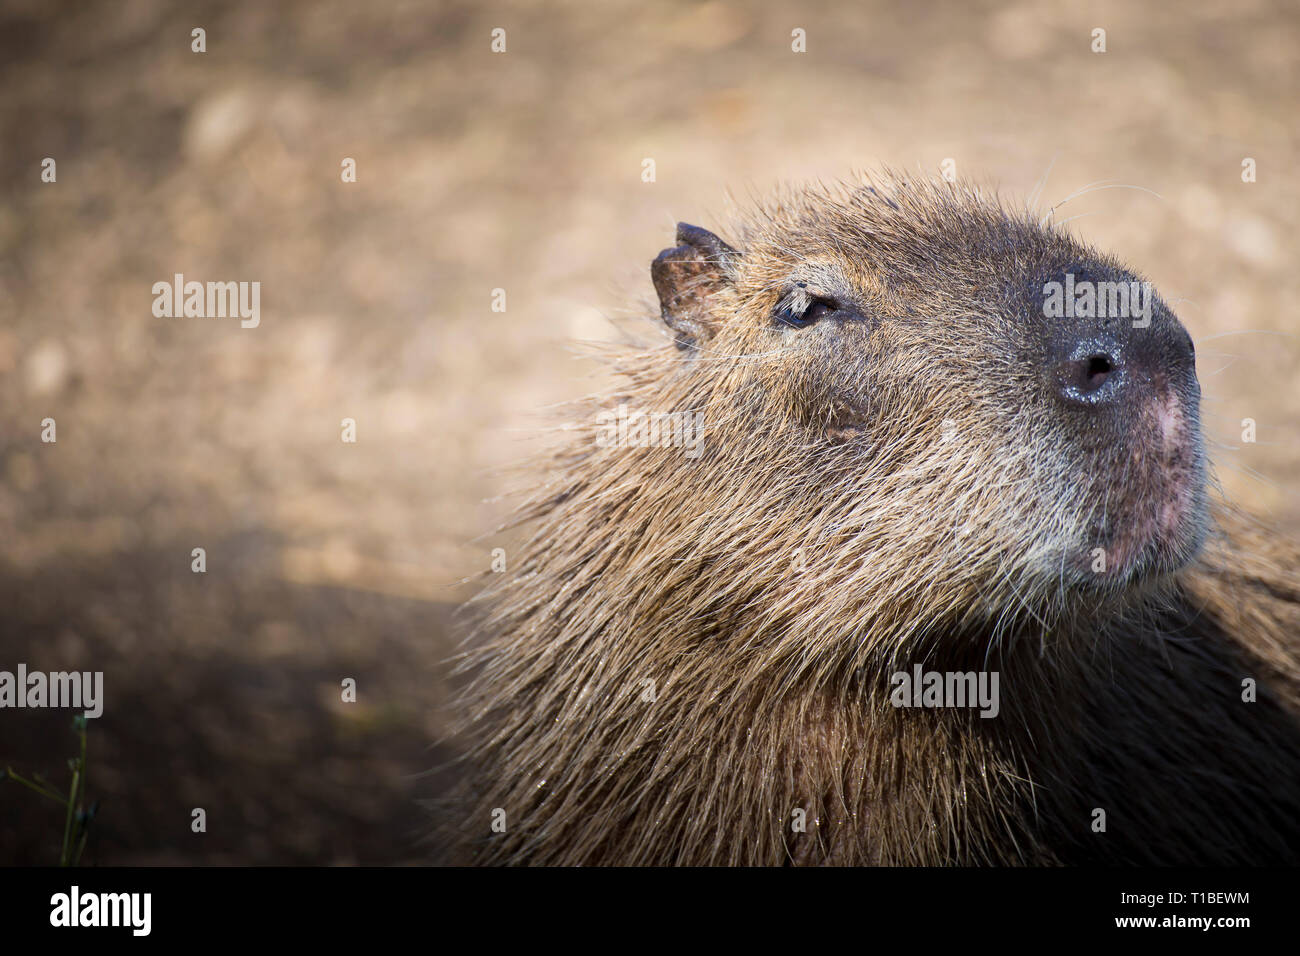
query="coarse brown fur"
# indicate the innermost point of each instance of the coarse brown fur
(690, 649)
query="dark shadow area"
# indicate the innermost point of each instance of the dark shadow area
(225, 695)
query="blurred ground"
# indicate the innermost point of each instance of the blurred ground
(478, 171)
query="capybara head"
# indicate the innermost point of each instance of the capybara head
(921, 389)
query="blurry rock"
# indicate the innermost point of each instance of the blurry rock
(1254, 240)
(46, 368)
(218, 124)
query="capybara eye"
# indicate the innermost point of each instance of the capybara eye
(816, 309)
(819, 309)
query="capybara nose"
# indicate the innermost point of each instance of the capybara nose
(1093, 372)
(1112, 367)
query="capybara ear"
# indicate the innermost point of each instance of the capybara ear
(686, 276)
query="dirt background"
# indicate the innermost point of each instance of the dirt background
(479, 171)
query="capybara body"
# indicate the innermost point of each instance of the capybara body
(906, 460)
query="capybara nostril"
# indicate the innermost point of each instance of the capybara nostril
(1091, 375)
(1099, 368)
